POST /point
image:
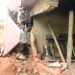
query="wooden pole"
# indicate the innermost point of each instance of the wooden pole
(57, 44)
(70, 40)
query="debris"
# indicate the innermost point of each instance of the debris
(25, 74)
(42, 69)
(55, 64)
(20, 56)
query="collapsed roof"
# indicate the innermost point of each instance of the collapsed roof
(44, 6)
(40, 6)
(28, 3)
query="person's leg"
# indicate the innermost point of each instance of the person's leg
(21, 46)
(26, 50)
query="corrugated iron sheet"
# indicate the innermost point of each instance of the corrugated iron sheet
(10, 32)
(12, 36)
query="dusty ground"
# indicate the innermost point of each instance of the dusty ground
(28, 67)
(21, 66)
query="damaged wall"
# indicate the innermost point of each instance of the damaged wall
(59, 24)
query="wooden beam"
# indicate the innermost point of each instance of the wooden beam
(70, 40)
(57, 44)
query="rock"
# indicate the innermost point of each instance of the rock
(24, 74)
(20, 56)
(24, 62)
(55, 64)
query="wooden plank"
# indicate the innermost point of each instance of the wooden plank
(57, 44)
(70, 40)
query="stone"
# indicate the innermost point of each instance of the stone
(24, 74)
(55, 64)
(20, 56)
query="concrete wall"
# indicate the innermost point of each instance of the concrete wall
(58, 22)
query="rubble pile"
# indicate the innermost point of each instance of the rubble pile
(28, 67)
(17, 64)
(13, 66)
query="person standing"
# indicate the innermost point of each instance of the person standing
(23, 42)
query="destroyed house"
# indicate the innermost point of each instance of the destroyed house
(53, 14)
(51, 40)
(58, 15)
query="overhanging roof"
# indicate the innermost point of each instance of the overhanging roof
(44, 6)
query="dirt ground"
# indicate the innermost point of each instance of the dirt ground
(11, 66)
(28, 67)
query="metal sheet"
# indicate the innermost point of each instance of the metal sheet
(12, 36)
(9, 37)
